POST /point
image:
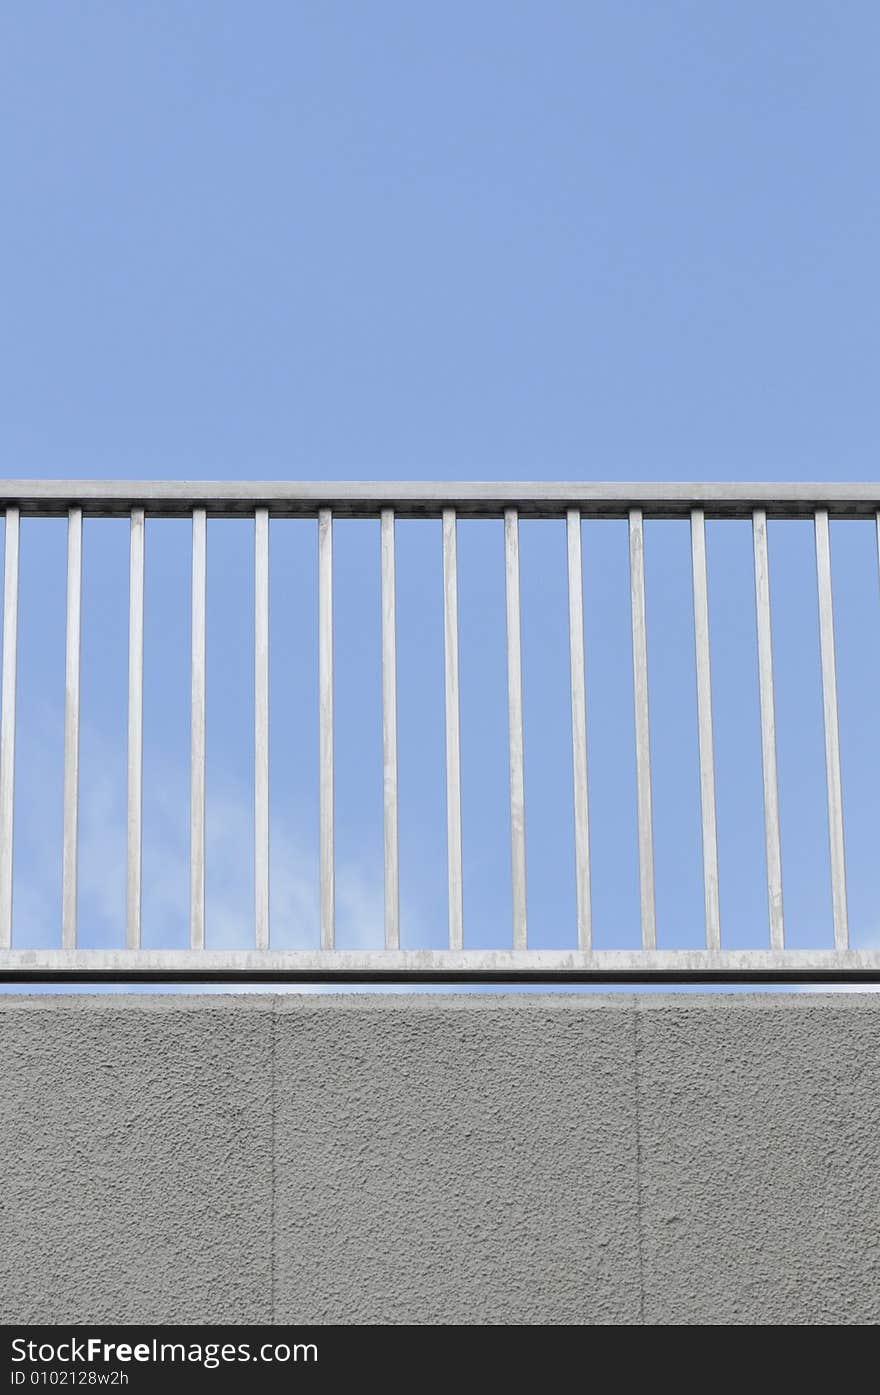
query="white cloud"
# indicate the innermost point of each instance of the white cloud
(229, 854)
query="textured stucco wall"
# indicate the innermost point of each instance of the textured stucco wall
(509, 1158)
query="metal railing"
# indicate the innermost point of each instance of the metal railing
(448, 502)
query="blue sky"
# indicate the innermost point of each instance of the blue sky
(512, 241)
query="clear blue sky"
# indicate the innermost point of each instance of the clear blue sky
(514, 241)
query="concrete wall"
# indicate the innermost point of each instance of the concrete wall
(515, 1158)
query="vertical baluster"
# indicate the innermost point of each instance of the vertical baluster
(135, 730)
(515, 729)
(453, 730)
(704, 727)
(832, 739)
(197, 733)
(643, 731)
(261, 728)
(389, 732)
(7, 725)
(579, 728)
(325, 695)
(71, 730)
(768, 729)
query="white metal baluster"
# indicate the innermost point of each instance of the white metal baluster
(71, 729)
(7, 726)
(832, 738)
(768, 729)
(515, 729)
(453, 730)
(389, 732)
(135, 730)
(325, 696)
(261, 728)
(197, 733)
(579, 728)
(704, 727)
(643, 730)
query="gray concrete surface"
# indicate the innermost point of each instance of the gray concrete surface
(431, 1158)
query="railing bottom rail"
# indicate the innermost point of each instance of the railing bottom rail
(440, 966)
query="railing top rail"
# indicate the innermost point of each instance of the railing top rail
(425, 499)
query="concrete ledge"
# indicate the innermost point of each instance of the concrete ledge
(440, 1158)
